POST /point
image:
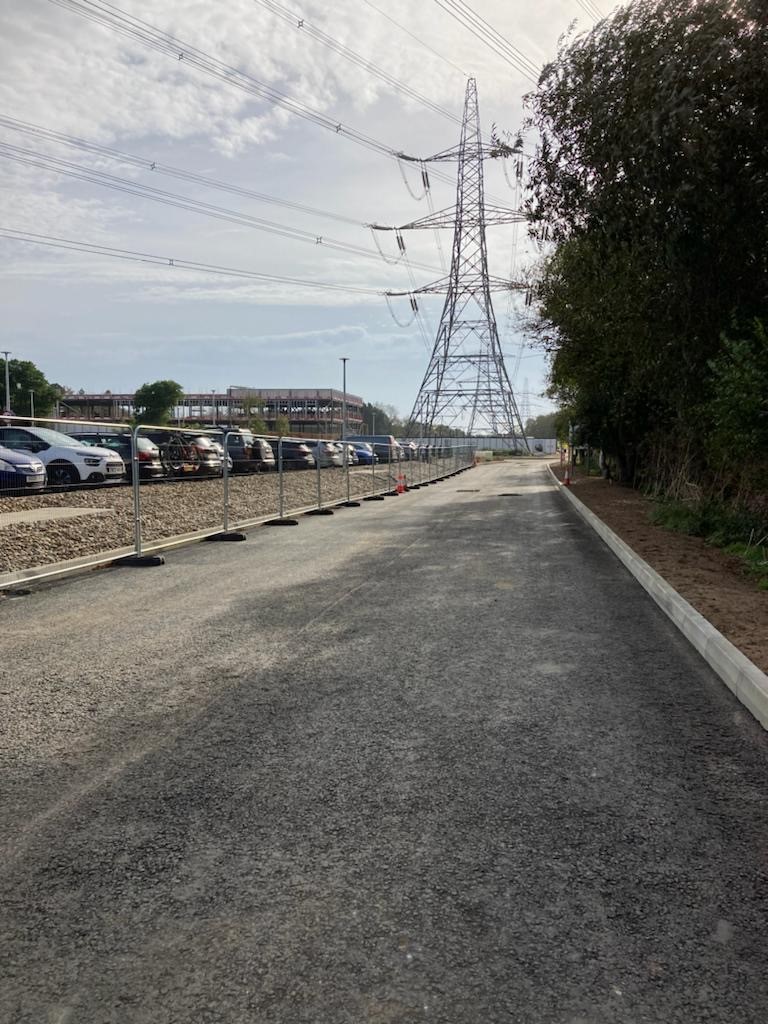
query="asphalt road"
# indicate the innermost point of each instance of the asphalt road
(435, 759)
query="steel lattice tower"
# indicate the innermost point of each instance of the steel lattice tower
(466, 383)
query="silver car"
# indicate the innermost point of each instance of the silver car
(326, 454)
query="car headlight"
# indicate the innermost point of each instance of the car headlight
(90, 461)
(5, 466)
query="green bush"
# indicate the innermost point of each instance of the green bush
(738, 531)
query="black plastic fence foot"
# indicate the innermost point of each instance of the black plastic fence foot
(319, 512)
(282, 522)
(228, 535)
(348, 504)
(374, 497)
(140, 561)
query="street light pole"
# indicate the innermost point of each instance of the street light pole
(213, 406)
(344, 360)
(7, 384)
(32, 406)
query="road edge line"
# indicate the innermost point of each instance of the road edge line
(744, 679)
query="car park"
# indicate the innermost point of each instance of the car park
(296, 454)
(67, 461)
(20, 472)
(150, 464)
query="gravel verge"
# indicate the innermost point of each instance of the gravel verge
(168, 510)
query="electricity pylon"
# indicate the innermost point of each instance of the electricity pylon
(466, 383)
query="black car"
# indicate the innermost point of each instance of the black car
(150, 463)
(249, 454)
(296, 454)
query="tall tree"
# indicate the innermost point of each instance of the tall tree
(28, 385)
(155, 402)
(651, 179)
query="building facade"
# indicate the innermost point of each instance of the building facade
(310, 412)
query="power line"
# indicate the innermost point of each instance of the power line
(154, 166)
(52, 241)
(492, 39)
(493, 33)
(102, 13)
(416, 38)
(590, 9)
(303, 26)
(30, 158)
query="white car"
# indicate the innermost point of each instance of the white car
(66, 460)
(326, 454)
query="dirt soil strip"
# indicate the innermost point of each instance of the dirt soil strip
(714, 582)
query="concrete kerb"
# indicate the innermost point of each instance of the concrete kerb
(745, 680)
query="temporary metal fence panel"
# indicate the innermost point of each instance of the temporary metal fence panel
(103, 490)
(64, 496)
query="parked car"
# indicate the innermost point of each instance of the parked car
(365, 453)
(384, 445)
(326, 454)
(409, 450)
(352, 457)
(150, 463)
(67, 461)
(179, 456)
(250, 454)
(296, 454)
(20, 472)
(209, 452)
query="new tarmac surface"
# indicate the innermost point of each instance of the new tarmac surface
(435, 759)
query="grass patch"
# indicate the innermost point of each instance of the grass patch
(734, 530)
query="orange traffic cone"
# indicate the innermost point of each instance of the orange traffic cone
(567, 477)
(400, 483)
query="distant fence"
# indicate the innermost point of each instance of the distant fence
(481, 442)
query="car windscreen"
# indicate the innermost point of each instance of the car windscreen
(55, 437)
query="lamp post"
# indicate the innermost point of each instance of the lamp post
(7, 384)
(213, 406)
(32, 406)
(344, 360)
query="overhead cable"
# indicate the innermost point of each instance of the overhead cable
(416, 38)
(102, 13)
(305, 28)
(501, 46)
(156, 167)
(31, 159)
(590, 9)
(488, 30)
(173, 262)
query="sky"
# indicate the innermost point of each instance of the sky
(96, 323)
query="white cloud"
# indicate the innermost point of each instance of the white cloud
(64, 73)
